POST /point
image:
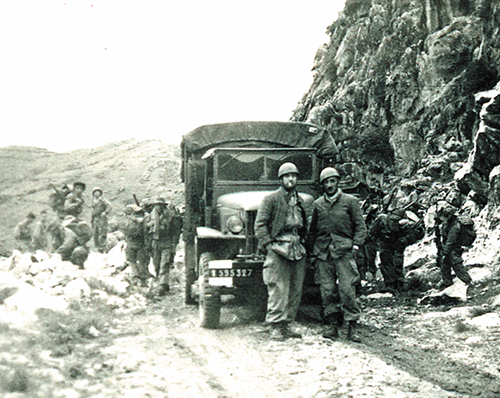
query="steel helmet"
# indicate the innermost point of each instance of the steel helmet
(79, 184)
(96, 189)
(158, 201)
(444, 208)
(327, 173)
(287, 168)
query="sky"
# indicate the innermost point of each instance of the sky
(79, 74)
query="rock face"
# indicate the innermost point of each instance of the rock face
(397, 83)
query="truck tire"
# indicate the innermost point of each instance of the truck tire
(210, 302)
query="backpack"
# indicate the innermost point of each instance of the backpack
(414, 232)
(467, 231)
(82, 230)
(133, 228)
(56, 201)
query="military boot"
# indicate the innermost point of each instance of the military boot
(332, 331)
(288, 332)
(164, 289)
(351, 332)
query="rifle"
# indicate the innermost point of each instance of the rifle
(136, 200)
(58, 193)
(385, 207)
(439, 246)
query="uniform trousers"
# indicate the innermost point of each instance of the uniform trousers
(337, 280)
(392, 265)
(284, 280)
(454, 261)
(163, 258)
(137, 259)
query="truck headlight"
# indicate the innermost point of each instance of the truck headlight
(235, 224)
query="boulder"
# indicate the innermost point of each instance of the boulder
(77, 288)
(28, 299)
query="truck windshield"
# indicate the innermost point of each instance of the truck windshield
(258, 166)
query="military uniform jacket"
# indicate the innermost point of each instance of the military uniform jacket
(73, 204)
(272, 216)
(336, 227)
(100, 207)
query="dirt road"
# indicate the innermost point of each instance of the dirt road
(170, 356)
(156, 349)
(406, 352)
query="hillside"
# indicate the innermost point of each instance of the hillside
(121, 169)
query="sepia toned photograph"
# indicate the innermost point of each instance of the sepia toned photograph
(235, 199)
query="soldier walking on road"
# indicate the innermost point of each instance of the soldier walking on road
(164, 229)
(451, 237)
(280, 228)
(73, 204)
(394, 232)
(337, 232)
(134, 251)
(100, 210)
(147, 207)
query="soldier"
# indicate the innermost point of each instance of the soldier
(337, 233)
(451, 236)
(57, 199)
(280, 228)
(100, 210)
(73, 204)
(39, 235)
(23, 232)
(369, 248)
(134, 251)
(394, 232)
(69, 240)
(163, 228)
(147, 206)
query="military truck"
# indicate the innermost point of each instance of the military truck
(227, 170)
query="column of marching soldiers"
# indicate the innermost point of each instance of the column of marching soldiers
(151, 230)
(152, 227)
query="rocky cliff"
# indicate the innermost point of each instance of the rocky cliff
(398, 86)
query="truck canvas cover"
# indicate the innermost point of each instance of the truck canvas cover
(282, 134)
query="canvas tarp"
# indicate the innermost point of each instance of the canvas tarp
(286, 134)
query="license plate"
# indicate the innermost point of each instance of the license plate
(231, 273)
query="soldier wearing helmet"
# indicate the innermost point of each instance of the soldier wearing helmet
(99, 219)
(134, 232)
(73, 203)
(449, 239)
(163, 228)
(280, 228)
(337, 232)
(393, 232)
(69, 239)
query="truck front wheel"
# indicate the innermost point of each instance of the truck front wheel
(210, 301)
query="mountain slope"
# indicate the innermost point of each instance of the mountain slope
(120, 169)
